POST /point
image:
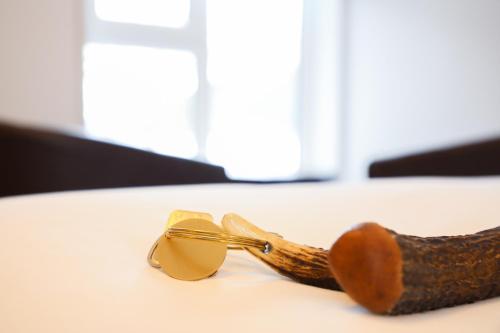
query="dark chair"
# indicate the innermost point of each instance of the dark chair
(39, 160)
(475, 159)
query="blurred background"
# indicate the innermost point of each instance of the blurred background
(270, 90)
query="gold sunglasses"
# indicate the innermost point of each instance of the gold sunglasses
(193, 247)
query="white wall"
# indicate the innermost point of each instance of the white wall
(421, 74)
(40, 62)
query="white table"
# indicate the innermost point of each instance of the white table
(76, 261)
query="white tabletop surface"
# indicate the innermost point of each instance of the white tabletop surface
(76, 261)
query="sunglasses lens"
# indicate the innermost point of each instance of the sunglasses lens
(191, 259)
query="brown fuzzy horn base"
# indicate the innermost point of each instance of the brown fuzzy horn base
(396, 274)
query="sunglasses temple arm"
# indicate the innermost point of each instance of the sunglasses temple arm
(233, 242)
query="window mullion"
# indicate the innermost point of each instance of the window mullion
(317, 93)
(305, 91)
(201, 119)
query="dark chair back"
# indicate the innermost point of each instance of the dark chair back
(475, 159)
(38, 160)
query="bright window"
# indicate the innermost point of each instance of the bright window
(252, 70)
(235, 83)
(133, 96)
